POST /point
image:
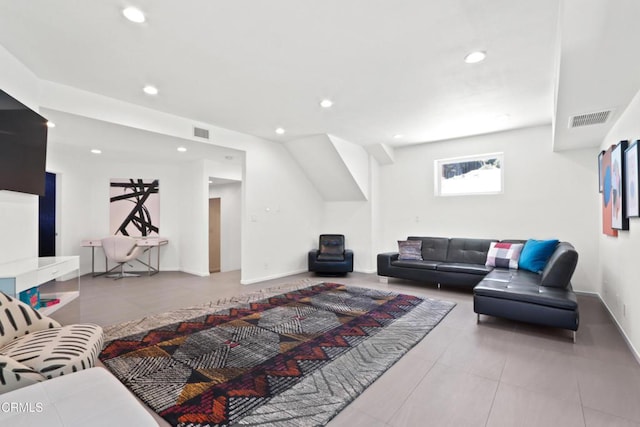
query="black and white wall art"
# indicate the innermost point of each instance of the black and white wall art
(134, 207)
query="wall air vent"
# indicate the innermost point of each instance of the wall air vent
(201, 133)
(589, 119)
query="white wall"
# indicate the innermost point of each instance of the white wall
(18, 212)
(358, 221)
(353, 219)
(284, 209)
(194, 227)
(230, 219)
(546, 195)
(282, 214)
(356, 159)
(617, 281)
(83, 195)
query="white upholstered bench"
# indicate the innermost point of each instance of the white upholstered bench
(91, 397)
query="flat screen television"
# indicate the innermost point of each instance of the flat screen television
(23, 147)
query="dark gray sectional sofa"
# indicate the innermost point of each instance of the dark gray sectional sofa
(544, 298)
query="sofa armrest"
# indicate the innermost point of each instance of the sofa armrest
(348, 255)
(312, 256)
(384, 262)
(560, 267)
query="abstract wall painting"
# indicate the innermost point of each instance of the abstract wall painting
(631, 177)
(134, 207)
(606, 195)
(619, 220)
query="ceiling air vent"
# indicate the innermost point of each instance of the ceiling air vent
(201, 133)
(589, 119)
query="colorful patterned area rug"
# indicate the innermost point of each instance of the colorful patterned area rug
(291, 359)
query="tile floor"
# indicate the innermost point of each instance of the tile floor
(497, 373)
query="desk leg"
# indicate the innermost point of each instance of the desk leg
(149, 265)
(93, 263)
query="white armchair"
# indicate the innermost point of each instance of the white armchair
(121, 250)
(34, 348)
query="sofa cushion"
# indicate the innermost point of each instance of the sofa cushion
(560, 267)
(18, 319)
(425, 265)
(470, 251)
(14, 375)
(331, 244)
(504, 255)
(519, 277)
(433, 248)
(409, 250)
(541, 295)
(57, 351)
(536, 253)
(460, 267)
(330, 257)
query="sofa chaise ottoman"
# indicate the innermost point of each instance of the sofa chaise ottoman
(545, 298)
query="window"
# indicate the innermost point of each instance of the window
(479, 174)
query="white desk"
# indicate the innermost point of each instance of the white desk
(24, 274)
(146, 242)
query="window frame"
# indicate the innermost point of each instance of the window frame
(440, 163)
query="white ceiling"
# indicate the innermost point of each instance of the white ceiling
(390, 66)
(79, 134)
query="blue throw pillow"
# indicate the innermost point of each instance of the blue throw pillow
(535, 254)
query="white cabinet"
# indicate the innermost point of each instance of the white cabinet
(21, 275)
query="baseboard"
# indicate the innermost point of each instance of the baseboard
(587, 293)
(634, 351)
(271, 277)
(196, 273)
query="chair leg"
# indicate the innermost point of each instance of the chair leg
(121, 275)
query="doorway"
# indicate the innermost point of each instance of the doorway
(47, 218)
(214, 235)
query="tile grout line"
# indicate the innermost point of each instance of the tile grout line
(411, 392)
(495, 394)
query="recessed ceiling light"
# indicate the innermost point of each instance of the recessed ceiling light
(210, 182)
(150, 90)
(326, 103)
(182, 149)
(51, 124)
(134, 15)
(475, 57)
(280, 131)
(96, 151)
(397, 136)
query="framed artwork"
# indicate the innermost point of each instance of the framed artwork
(619, 220)
(600, 177)
(134, 207)
(631, 177)
(606, 195)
